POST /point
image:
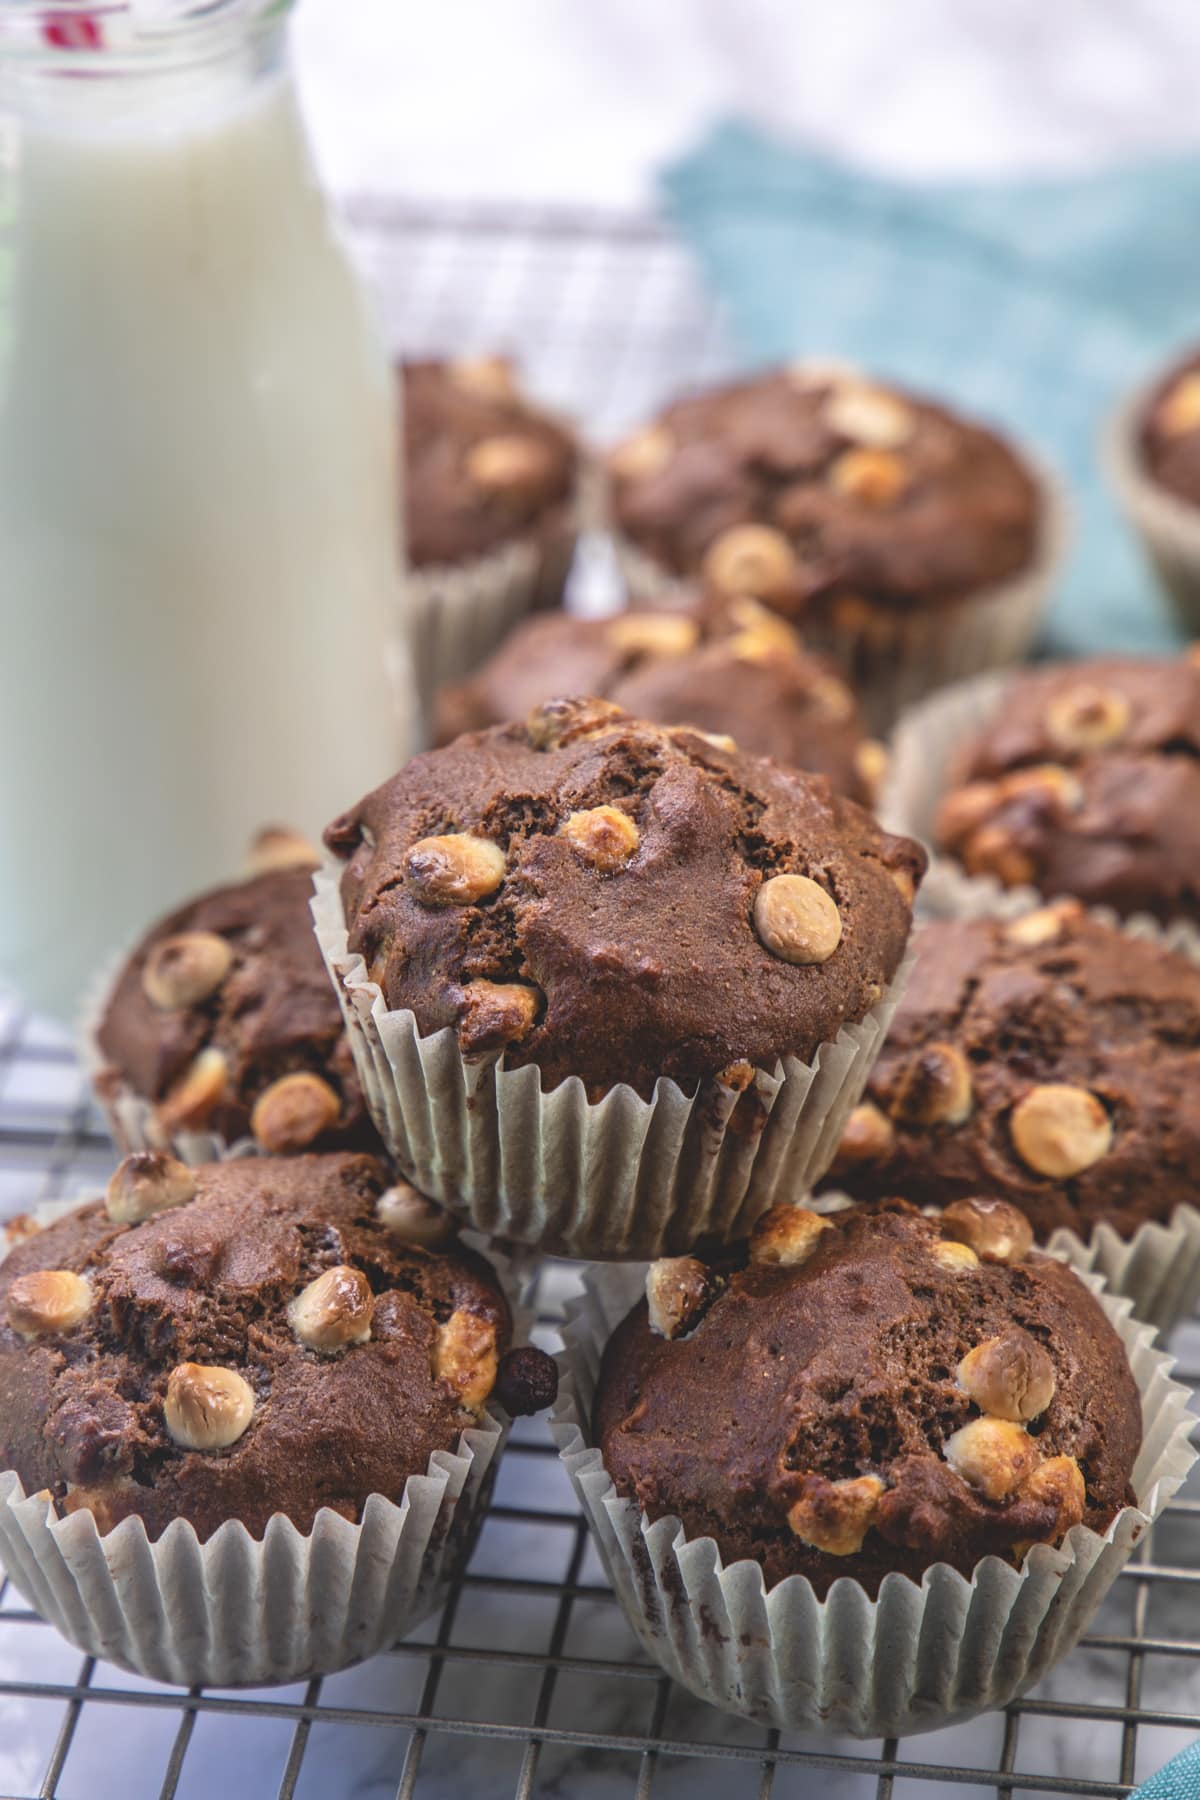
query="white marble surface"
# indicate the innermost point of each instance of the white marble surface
(548, 99)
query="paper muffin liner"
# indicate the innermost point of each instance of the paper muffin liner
(915, 1658)
(927, 647)
(458, 613)
(237, 1610)
(1158, 1268)
(924, 748)
(1166, 526)
(617, 1177)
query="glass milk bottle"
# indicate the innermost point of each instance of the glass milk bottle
(198, 594)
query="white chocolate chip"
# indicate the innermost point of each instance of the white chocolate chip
(867, 1137)
(678, 1292)
(1010, 1377)
(602, 836)
(869, 415)
(872, 477)
(1044, 925)
(787, 1235)
(334, 1310)
(185, 969)
(653, 634)
(514, 465)
(1059, 1130)
(147, 1182)
(47, 1301)
(196, 1095)
(796, 920)
(456, 869)
(643, 455)
(935, 1088)
(410, 1216)
(207, 1407)
(278, 847)
(750, 559)
(956, 1259)
(294, 1112)
(993, 1456)
(466, 1357)
(487, 377)
(1088, 718)
(995, 1231)
(835, 1516)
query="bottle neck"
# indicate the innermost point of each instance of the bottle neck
(141, 65)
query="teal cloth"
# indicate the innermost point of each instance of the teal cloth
(1177, 1780)
(1034, 304)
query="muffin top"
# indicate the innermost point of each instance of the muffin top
(733, 668)
(1087, 782)
(245, 1338)
(1169, 431)
(1054, 1061)
(482, 464)
(606, 899)
(225, 1018)
(818, 490)
(865, 1392)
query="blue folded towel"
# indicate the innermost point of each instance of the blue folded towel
(1178, 1780)
(1034, 304)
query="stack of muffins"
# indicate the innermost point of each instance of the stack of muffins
(624, 970)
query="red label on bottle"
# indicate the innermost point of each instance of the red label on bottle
(72, 31)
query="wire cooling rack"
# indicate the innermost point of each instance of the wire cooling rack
(529, 1683)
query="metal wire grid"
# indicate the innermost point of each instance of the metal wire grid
(529, 1682)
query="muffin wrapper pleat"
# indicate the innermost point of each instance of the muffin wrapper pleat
(1166, 526)
(238, 1610)
(915, 1658)
(926, 647)
(1158, 1268)
(456, 614)
(617, 1177)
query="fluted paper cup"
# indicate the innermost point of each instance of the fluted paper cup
(456, 614)
(616, 1177)
(1167, 528)
(1158, 1268)
(925, 647)
(239, 1610)
(916, 1658)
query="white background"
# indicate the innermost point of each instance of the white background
(565, 100)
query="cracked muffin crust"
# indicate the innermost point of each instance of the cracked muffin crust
(224, 1018)
(1087, 782)
(866, 1392)
(827, 496)
(732, 669)
(606, 899)
(1053, 1061)
(482, 464)
(246, 1338)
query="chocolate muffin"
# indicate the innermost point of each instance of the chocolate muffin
(482, 465)
(1086, 782)
(828, 497)
(871, 1391)
(733, 669)
(224, 1021)
(607, 899)
(1054, 1061)
(247, 1338)
(1169, 431)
